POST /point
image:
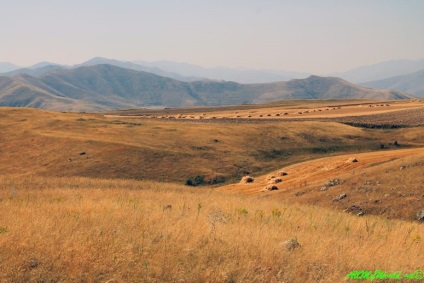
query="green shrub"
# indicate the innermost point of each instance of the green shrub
(196, 181)
(3, 230)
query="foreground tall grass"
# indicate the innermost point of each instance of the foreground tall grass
(84, 230)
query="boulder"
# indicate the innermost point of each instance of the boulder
(334, 182)
(420, 215)
(340, 197)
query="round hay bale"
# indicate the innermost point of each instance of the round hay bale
(271, 188)
(270, 177)
(283, 173)
(352, 159)
(275, 181)
(247, 179)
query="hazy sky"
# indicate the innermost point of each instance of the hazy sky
(312, 36)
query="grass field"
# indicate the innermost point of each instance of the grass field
(93, 198)
(50, 144)
(85, 230)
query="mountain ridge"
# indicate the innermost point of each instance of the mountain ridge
(411, 83)
(107, 87)
(382, 70)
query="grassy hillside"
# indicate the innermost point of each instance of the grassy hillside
(86, 230)
(27, 91)
(388, 183)
(90, 145)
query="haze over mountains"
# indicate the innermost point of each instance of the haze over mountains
(190, 72)
(106, 87)
(240, 75)
(412, 83)
(381, 70)
(7, 67)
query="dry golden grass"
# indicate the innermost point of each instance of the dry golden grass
(386, 182)
(48, 143)
(56, 226)
(85, 230)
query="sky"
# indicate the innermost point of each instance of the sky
(316, 36)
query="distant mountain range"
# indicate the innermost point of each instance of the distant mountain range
(140, 67)
(381, 70)
(7, 67)
(189, 72)
(41, 68)
(33, 71)
(412, 83)
(105, 87)
(240, 75)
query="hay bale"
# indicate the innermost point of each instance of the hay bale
(271, 188)
(283, 173)
(247, 179)
(269, 177)
(352, 159)
(275, 181)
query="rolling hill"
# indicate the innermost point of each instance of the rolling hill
(106, 87)
(412, 83)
